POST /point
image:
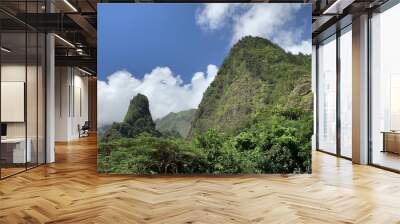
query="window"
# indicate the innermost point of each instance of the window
(385, 89)
(346, 92)
(327, 95)
(22, 88)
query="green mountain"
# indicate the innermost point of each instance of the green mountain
(256, 76)
(255, 117)
(138, 113)
(176, 122)
(136, 121)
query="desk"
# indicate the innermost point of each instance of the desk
(13, 150)
(391, 141)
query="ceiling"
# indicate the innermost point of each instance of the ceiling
(330, 15)
(75, 22)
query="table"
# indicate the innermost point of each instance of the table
(13, 150)
(391, 141)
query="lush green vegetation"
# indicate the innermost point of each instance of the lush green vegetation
(256, 117)
(178, 123)
(274, 144)
(136, 121)
(255, 76)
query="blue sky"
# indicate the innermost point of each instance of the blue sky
(171, 52)
(140, 37)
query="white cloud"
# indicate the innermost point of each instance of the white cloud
(165, 91)
(304, 47)
(213, 16)
(271, 21)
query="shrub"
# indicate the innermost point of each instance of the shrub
(150, 155)
(274, 141)
(279, 160)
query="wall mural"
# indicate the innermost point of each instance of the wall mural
(204, 88)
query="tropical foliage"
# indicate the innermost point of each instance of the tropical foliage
(256, 117)
(276, 145)
(176, 123)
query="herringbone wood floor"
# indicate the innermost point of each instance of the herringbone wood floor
(70, 191)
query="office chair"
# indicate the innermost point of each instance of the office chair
(84, 130)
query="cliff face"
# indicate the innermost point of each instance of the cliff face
(256, 75)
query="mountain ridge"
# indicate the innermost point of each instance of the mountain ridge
(255, 75)
(176, 122)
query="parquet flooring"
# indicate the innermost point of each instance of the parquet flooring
(11, 170)
(70, 191)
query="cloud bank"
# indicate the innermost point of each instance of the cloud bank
(272, 21)
(165, 91)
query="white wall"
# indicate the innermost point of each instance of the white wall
(33, 126)
(12, 73)
(71, 102)
(62, 82)
(16, 73)
(80, 110)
